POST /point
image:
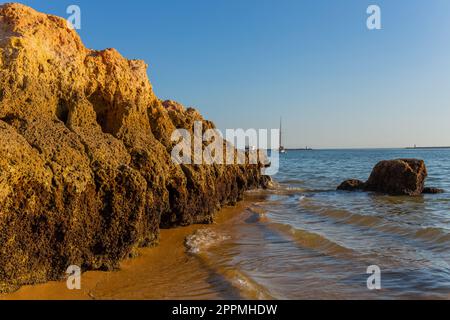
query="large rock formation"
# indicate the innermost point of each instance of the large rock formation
(85, 168)
(394, 177)
(398, 177)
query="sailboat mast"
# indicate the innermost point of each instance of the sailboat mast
(280, 134)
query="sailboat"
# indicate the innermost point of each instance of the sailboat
(282, 149)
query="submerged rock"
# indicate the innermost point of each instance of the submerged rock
(351, 185)
(86, 174)
(428, 190)
(394, 177)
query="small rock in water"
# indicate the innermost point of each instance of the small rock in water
(351, 185)
(430, 190)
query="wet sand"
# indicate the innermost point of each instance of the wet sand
(167, 271)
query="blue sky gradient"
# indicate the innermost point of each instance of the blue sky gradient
(244, 64)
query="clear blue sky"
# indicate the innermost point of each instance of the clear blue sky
(244, 64)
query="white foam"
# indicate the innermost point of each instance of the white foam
(203, 239)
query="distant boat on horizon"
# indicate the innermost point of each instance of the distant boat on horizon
(281, 149)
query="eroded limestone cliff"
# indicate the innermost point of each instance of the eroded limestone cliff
(86, 174)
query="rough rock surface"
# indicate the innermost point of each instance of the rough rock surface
(85, 169)
(394, 177)
(398, 177)
(351, 185)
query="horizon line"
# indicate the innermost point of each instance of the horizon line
(365, 148)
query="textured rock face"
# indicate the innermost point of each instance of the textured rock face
(394, 177)
(398, 177)
(85, 169)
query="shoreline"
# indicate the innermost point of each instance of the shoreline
(160, 262)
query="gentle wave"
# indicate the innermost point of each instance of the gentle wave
(288, 189)
(433, 234)
(292, 181)
(429, 234)
(248, 288)
(343, 215)
(311, 240)
(203, 239)
(198, 243)
(304, 238)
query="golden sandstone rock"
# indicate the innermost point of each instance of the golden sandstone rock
(85, 168)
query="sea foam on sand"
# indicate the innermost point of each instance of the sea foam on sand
(203, 239)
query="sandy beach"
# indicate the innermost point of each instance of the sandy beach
(172, 272)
